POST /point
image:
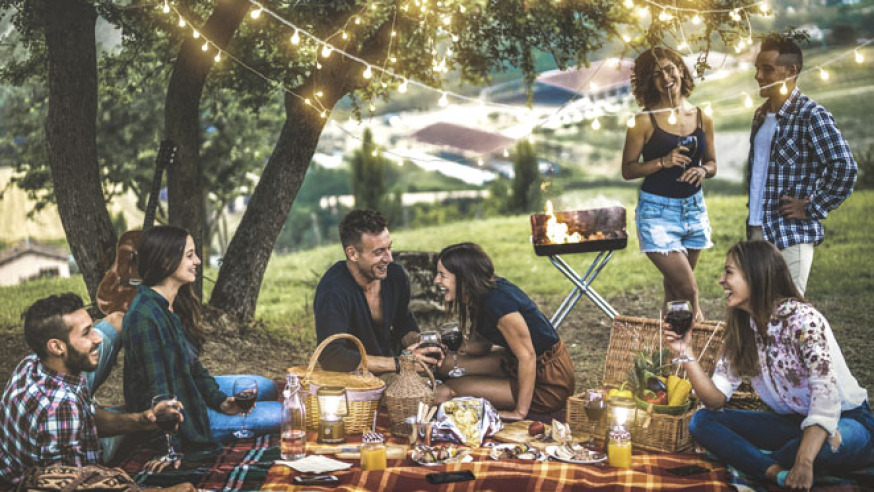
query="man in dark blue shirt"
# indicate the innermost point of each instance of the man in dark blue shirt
(368, 296)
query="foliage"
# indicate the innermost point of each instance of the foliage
(526, 195)
(865, 161)
(368, 174)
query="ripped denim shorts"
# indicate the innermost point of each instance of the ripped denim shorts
(672, 224)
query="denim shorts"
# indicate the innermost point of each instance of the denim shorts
(667, 224)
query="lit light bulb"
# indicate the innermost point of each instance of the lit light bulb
(308, 102)
(506, 153)
(357, 21)
(859, 57)
(664, 16)
(394, 33)
(374, 153)
(764, 8)
(295, 38)
(531, 139)
(783, 89)
(447, 20)
(735, 15)
(479, 161)
(739, 47)
(256, 13)
(324, 114)
(403, 87)
(195, 34)
(593, 86)
(749, 40)
(708, 110)
(318, 66)
(683, 46)
(462, 9)
(748, 101)
(393, 59)
(631, 123)
(166, 8)
(596, 125)
(629, 4)
(326, 51)
(626, 38)
(823, 74)
(205, 46)
(696, 19)
(672, 119)
(217, 57)
(367, 72)
(344, 35)
(444, 100)
(320, 94)
(372, 107)
(642, 12)
(181, 22)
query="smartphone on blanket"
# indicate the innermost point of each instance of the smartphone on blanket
(326, 480)
(685, 471)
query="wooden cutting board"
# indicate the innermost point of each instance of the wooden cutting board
(517, 432)
(352, 451)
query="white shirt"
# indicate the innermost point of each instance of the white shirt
(761, 158)
(802, 368)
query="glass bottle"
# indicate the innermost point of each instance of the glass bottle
(293, 432)
(373, 455)
(619, 447)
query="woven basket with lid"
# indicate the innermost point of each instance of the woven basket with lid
(402, 397)
(363, 389)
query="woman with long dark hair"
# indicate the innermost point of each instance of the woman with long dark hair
(163, 338)
(671, 147)
(820, 419)
(530, 369)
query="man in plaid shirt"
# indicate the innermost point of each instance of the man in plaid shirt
(800, 167)
(46, 412)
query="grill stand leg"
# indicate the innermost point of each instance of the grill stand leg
(582, 285)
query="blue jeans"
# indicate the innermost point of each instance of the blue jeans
(107, 353)
(665, 225)
(263, 419)
(738, 436)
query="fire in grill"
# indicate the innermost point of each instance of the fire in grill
(579, 231)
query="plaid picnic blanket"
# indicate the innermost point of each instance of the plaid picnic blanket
(854, 481)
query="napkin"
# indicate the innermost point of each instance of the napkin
(315, 464)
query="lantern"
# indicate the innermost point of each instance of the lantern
(333, 406)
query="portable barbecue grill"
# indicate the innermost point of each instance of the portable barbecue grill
(598, 230)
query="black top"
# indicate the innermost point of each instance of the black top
(340, 307)
(506, 298)
(664, 182)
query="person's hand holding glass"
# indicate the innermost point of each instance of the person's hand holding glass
(245, 394)
(168, 414)
(451, 336)
(679, 316)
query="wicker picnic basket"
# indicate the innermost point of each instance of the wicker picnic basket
(651, 431)
(404, 394)
(363, 389)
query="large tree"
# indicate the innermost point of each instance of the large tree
(416, 39)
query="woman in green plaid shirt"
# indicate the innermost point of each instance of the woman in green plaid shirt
(163, 338)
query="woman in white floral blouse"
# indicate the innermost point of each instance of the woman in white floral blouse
(820, 420)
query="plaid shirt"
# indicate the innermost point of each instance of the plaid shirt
(159, 358)
(809, 159)
(46, 418)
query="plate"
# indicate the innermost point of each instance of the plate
(462, 453)
(498, 452)
(555, 452)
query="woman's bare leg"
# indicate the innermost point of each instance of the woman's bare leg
(678, 274)
(494, 389)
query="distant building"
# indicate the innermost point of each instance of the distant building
(29, 261)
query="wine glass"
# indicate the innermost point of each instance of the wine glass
(679, 315)
(167, 416)
(245, 394)
(430, 339)
(450, 335)
(691, 143)
(594, 406)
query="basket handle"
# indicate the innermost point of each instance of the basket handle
(362, 366)
(428, 372)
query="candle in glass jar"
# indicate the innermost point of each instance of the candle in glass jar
(619, 448)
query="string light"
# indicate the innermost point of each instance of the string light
(629, 4)
(632, 122)
(696, 19)
(506, 153)
(181, 22)
(256, 13)
(403, 87)
(764, 8)
(735, 15)
(295, 38)
(783, 89)
(596, 125)
(367, 72)
(748, 101)
(205, 46)
(324, 113)
(664, 16)
(372, 107)
(626, 38)
(326, 51)
(858, 56)
(444, 100)
(823, 74)
(683, 46)
(217, 57)
(166, 8)
(708, 109)
(479, 161)
(344, 35)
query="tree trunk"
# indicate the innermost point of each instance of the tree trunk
(71, 136)
(182, 121)
(239, 280)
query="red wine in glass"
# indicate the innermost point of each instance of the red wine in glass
(167, 417)
(452, 340)
(691, 143)
(245, 394)
(450, 335)
(245, 400)
(167, 422)
(680, 315)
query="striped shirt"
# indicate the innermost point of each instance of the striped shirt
(159, 358)
(809, 159)
(46, 418)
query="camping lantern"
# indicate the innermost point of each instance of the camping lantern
(333, 406)
(621, 409)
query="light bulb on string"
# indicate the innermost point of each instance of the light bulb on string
(664, 16)
(217, 57)
(308, 102)
(358, 21)
(319, 93)
(181, 22)
(823, 74)
(764, 8)
(596, 125)
(672, 118)
(205, 46)
(859, 57)
(318, 65)
(367, 72)
(683, 46)
(372, 107)
(444, 100)
(783, 89)
(166, 8)
(642, 12)
(626, 38)
(629, 4)
(344, 35)
(708, 110)
(393, 59)
(531, 138)
(374, 153)
(403, 87)
(326, 51)
(479, 161)
(735, 15)
(324, 114)
(506, 153)
(256, 13)
(632, 122)
(748, 101)
(696, 19)
(295, 38)
(462, 9)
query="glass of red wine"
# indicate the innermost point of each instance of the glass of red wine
(450, 335)
(679, 315)
(594, 405)
(245, 394)
(167, 416)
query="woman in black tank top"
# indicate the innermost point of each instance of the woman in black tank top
(671, 217)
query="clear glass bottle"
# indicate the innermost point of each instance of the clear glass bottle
(292, 443)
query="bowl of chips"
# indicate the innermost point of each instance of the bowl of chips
(438, 455)
(466, 420)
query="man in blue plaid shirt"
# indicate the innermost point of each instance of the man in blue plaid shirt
(800, 167)
(46, 412)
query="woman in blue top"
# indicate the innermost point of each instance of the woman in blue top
(671, 218)
(163, 338)
(530, 369)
